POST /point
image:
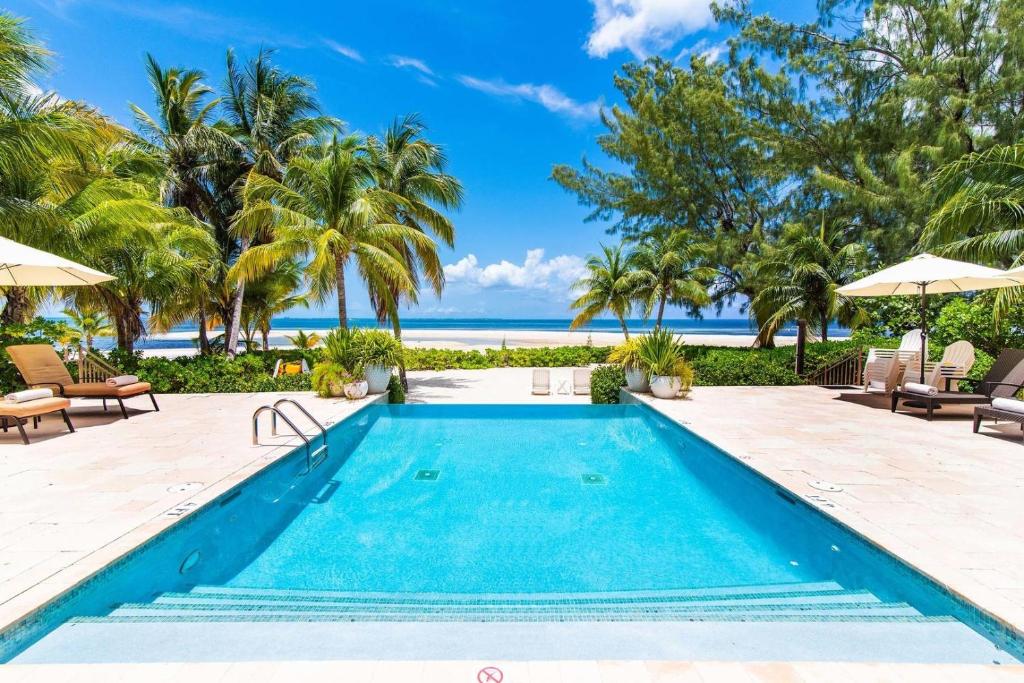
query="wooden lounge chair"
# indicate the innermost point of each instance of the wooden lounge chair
(982, 412)
(884, 368)
(541, 382)
(1005, 378)
(40, 366)
(957, 361)
(16, 414)
(581, 380)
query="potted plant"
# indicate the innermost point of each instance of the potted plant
(329, 379)
(381, 353)
(356, 386)
(340, 372)
(662, 354)
(628, 356)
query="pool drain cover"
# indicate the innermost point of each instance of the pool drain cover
(427, 475)
(593, 479)
(824, 486)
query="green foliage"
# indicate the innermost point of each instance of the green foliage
(662, 353)
(971, 319)
(455, 359)
(732, 367)
(344, 348)
(605, 383)
(302, 340)
(396, 392)
(329, 378)
(215, 374)
(628, 355)
(380, 348)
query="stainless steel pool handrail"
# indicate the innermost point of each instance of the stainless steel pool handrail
(302, 409)
(275, 411)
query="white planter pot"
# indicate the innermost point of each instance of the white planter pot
(377, 377)
(356, 389)
(666, 387)
(636, 380)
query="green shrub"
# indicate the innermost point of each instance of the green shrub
(545, 357)
(731, 367)
(396, 392)
(605, 383)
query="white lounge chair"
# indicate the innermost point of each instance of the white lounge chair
(883, 370)
(581, 381)
(541, 382)
(957, 360)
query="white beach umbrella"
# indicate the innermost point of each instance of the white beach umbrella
(927, 274)
(22, 266)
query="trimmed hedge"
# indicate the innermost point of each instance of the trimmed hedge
(250, 372)
(605, 382)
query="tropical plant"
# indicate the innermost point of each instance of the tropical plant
(412, 169)
(270, 295)
(605, 287)
(380, 348)
(344, 347)
(668, 268)
(328, 212)
(87, 324)
(804, 273)
(606, 381)
(628, 354)
(301, 340)
(662, 353)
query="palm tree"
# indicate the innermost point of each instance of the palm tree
(270, 295)
(273, 115)
(328, 210)
(804, 271)
(87, 324)
(607, 286)
(667, 270)
(412, 169)
(43, 140)
(301, 340)
(981, 212)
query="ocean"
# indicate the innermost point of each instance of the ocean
(721, 326)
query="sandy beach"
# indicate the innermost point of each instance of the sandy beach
(483, 339)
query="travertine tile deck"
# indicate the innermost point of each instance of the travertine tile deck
(72, 503)
(946, 500)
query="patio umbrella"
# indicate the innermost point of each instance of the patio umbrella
(927, 274)
(22, 266)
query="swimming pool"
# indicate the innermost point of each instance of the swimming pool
(509, 532)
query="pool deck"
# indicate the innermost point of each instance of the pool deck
(949, 502)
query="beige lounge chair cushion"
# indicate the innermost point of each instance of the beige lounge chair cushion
(40, 406)
(102, 389)
(39, 364)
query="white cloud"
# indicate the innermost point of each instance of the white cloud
(548, 96)
(535, 272)
(644, 26)
(402, 62)
(344, 50)
(704, 48)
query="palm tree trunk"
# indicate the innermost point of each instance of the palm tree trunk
(396, 325)
(661, 311)
(17, 309)
(204, 337)
(265, 332)
(339, 265)
(824, 326)
(235, 320)
(625, 330)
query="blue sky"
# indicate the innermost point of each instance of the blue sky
(508, 88)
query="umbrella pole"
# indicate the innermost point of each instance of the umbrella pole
(924, 329)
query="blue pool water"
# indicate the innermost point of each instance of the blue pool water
(509, 531)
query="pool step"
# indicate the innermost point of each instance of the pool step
(812, 621)
(785, 602)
